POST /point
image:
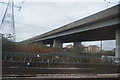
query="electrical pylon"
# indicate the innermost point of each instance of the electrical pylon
(7, 27)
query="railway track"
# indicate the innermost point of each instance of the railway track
(11, 71)
(14, 73)
(33, 70)
(66, 77)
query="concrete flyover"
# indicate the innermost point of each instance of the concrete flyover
(103, 25)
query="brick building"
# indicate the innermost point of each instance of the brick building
(92, 49)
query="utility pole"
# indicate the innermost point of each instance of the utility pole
(7, 26)
(101, 46)
(101, 42)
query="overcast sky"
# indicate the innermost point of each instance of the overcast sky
(38, 16)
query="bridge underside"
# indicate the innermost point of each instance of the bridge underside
(105, 33)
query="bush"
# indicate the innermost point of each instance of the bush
(35, 48)
(8, 45)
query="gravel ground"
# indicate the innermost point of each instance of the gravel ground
(57, 76)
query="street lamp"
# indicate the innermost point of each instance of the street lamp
(107, 2)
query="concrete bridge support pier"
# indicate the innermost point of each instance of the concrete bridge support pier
(51, 45)
(117, 54)
(77, 44)
(57, 43)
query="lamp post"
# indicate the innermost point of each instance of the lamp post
(107, 2)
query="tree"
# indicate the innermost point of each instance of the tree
(77, 50)
(8, 45)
